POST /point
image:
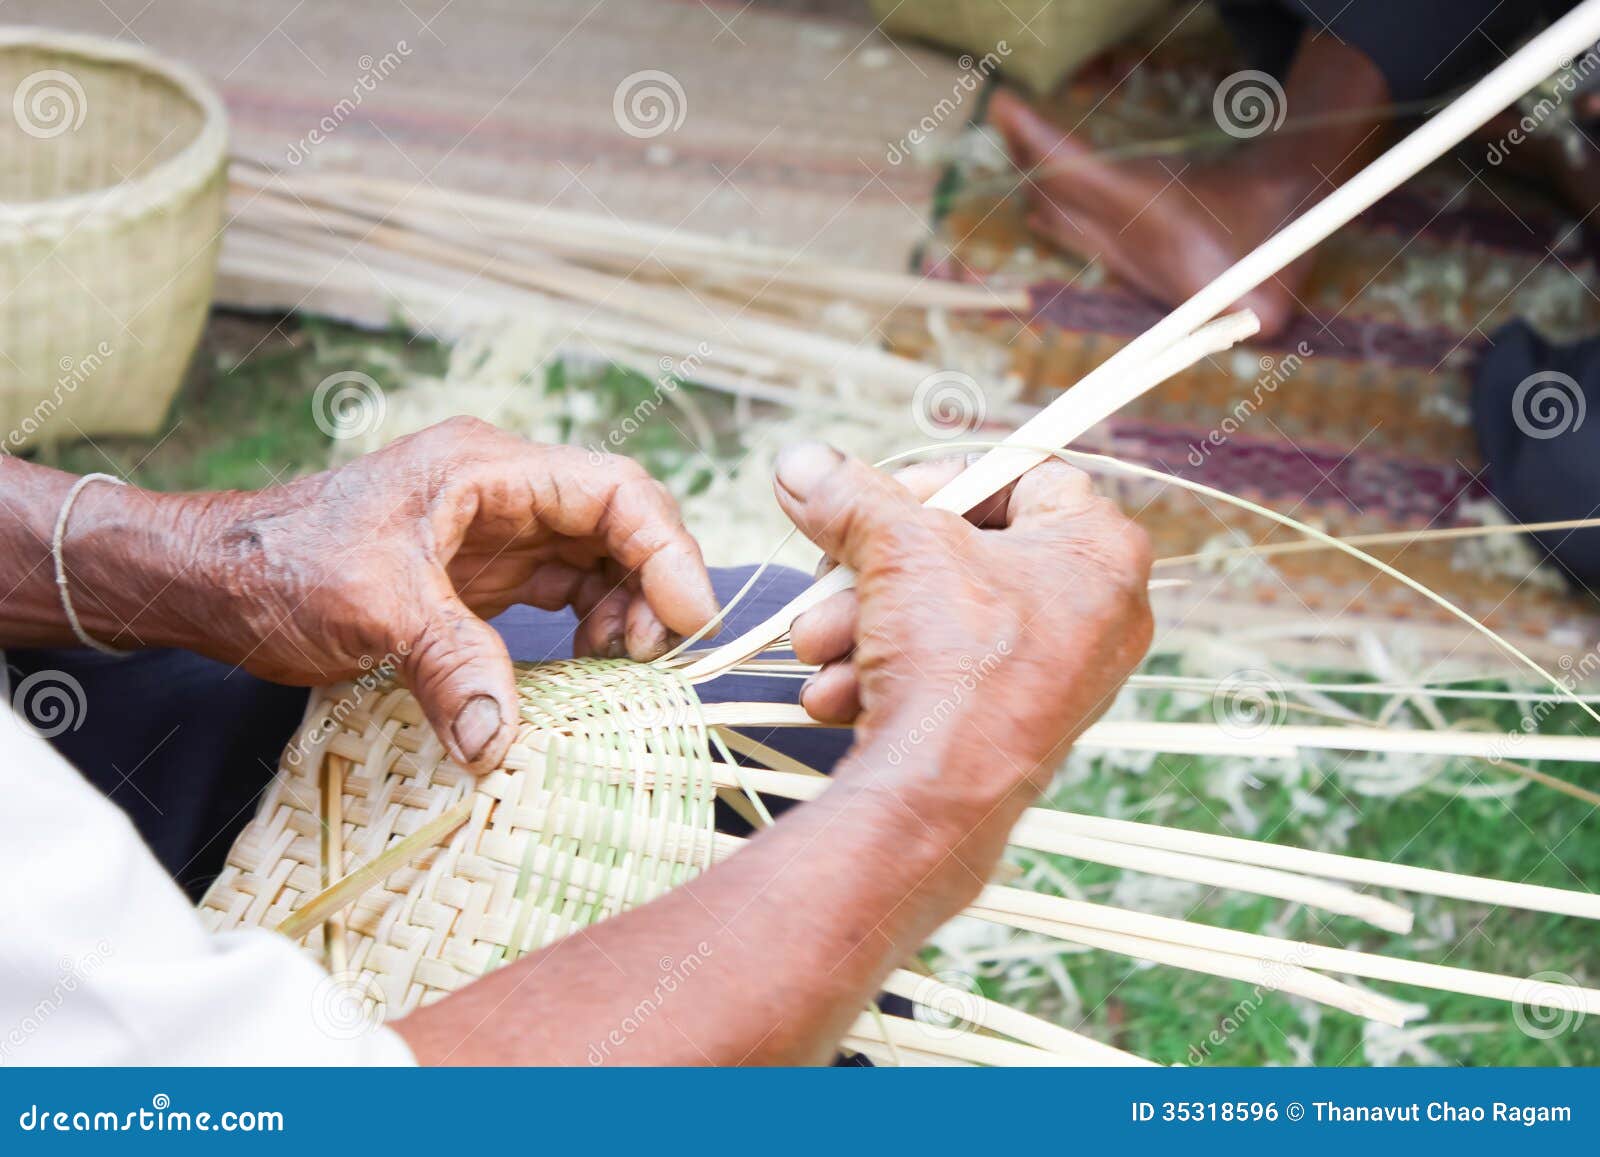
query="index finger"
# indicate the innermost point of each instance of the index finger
(639, 525)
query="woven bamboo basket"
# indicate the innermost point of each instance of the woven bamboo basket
(112, 179)
(1044, 40)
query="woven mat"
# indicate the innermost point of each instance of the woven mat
(787, 115)
(1369, 433)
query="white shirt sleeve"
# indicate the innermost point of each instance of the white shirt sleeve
(103, 961)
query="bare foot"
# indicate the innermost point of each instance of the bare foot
(1166, 228)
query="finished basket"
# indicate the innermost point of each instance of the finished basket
(112, 180)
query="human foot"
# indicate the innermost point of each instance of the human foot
(1166, 229)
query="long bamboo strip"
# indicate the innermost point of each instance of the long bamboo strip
(1001, 1018)
(1386, 538)
(1272, 974)
(1217, 873)
(1223, 874)
(1278, 741)
(677, 248)
(1082, 914)
(925, 1043)
(662, 307)
(1329, 865)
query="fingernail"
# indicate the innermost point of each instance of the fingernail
(476, 725)
(802, 467)
(616, 646)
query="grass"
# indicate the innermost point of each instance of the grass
(245, 420)
(1536, 835)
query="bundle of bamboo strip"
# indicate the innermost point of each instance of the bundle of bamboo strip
(733, 316)
(401, 869)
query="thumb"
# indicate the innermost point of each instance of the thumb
(460, 672)
(840, 503)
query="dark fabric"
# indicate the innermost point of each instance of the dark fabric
(1424, 48)
(185, 745)
(1540, 438)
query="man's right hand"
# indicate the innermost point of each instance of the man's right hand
(970, 653)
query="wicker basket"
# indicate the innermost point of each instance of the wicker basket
(112, 180)
(1045, 40)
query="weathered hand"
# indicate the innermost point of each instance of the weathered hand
(401, 555)
(969, 653)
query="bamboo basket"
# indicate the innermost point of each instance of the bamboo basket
(1045, 40)
(112, 182)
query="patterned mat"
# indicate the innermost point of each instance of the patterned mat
(1356, 419)
(736, 120)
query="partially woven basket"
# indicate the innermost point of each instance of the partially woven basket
(449, 876)
(112, 179)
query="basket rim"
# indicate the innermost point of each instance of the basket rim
(177, 176)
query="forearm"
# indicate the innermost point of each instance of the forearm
(764, 959)
(133, 560)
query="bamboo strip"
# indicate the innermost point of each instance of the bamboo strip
(1001, 1018)
(627, 240)
(1214, 338)
(927, 1041)
(1271, 974)
(1082, 914)
(1392, 537)
(1378, 873)
(1279, 741)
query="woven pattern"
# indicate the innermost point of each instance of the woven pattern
(112, 177)
(605, 803)
(1044, 40)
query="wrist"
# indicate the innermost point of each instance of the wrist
(140, 565)
(946, 809)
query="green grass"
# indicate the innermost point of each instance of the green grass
(1538, 835)
(244, 418)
